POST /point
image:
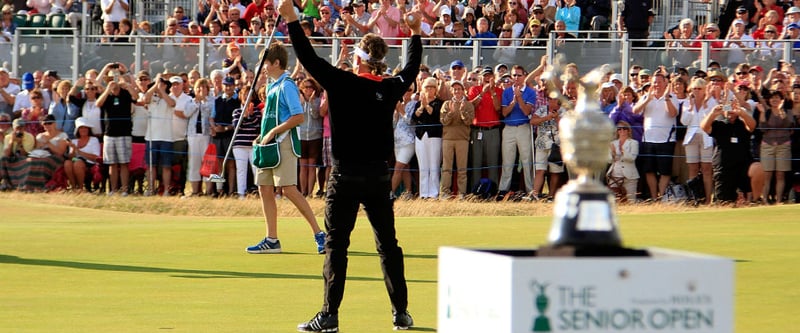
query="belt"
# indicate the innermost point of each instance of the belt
(485, 127)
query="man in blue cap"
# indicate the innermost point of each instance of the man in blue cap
(22, 101)
(458, 71)
(793, 33)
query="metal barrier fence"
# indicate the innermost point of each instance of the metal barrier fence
(72, 54)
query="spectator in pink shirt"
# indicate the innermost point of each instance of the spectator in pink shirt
(386, 22)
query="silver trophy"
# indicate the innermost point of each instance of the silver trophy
(583, 215)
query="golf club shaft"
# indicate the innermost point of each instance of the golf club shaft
(250, 93)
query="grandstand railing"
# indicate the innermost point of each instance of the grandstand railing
(71, 54)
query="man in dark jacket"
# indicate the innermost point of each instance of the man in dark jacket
(361, 106)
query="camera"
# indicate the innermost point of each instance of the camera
(114, 66)
(726, 108)
(19, 134)
(163, 80)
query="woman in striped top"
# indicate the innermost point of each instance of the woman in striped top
(248, 132)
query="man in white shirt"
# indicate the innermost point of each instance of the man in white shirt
(159, 135)
(114, 11)
(22, 100)
(659, 108)
(180, 123)
(8, 93)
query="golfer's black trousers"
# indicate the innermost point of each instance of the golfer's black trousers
(349, 186)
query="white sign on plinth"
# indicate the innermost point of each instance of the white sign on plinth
(512, 291)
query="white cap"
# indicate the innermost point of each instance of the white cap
(617, 77)
(175, 79)
(444, 10)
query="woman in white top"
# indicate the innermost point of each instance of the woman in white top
(699, 145)
(404, 140)
(623, 172)
(84, 151)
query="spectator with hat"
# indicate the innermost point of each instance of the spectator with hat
(618, 81)
(222, 127)
(470, 19)
(638, 81)
(16, 146)
(159, 137)
(792, 34)
(608, 97)
(738, 42)
(358, 20)
(534, 34)
(711, 33)
(538, 13)
(776, 156)
(792, 16)
(485, 129)
(84, 151)
(22, 99)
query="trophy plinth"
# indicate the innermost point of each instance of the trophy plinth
(584, 208)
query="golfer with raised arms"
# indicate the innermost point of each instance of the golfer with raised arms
(361, 105)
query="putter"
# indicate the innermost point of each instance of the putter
(219, 179)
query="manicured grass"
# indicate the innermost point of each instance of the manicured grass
(66, 269)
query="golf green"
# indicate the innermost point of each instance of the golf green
(65, 269)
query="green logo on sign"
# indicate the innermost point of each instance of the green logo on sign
(541, 323)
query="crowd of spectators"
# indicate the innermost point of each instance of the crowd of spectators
(456, 129)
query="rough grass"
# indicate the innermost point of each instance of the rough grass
(205, 206)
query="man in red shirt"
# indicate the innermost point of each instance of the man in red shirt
(485, 129)
(255, 8)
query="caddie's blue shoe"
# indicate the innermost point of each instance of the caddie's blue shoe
(319, 238)
(265, 246)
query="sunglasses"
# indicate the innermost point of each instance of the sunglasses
(506, 30)
(742, 73)
(716, 80)
(769, 31)
(36, 97)
(622, 129)
(634, 74)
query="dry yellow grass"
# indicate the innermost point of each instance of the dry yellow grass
(204, 206)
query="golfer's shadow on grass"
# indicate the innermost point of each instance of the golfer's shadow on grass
(176, 272)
